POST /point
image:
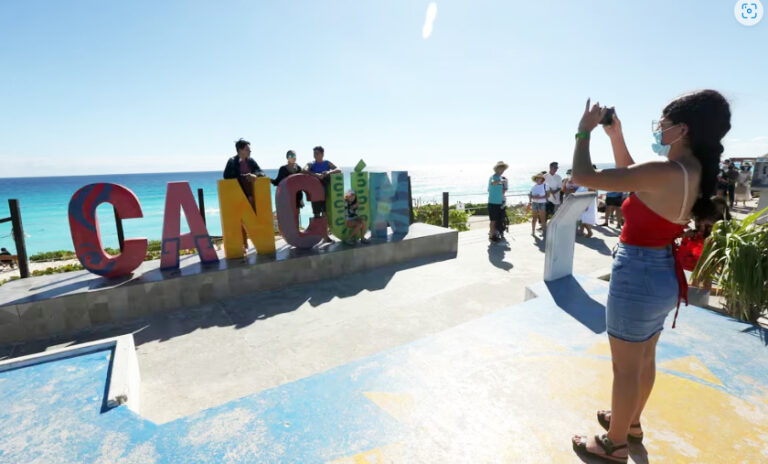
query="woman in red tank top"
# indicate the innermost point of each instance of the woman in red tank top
(647, 279)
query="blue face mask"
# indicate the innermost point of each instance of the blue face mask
(658, 147)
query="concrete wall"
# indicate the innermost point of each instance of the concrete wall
(61, 304)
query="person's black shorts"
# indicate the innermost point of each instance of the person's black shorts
(318, 207)
(550, 208)
(494, 212)
(613, 201)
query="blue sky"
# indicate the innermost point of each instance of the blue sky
(107, 87)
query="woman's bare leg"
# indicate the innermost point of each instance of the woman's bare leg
(647, 377)
(629, 364)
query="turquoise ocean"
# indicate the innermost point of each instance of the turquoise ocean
(44, 200)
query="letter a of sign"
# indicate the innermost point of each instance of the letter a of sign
(85, 229)
(179, 196)
(237, 214)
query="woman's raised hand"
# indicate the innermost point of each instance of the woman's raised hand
(614, 129)
(591, 117)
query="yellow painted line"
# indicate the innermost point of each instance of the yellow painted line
(692, 366)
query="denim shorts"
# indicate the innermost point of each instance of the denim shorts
(643, 290)
(538, 206)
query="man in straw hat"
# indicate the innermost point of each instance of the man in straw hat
(496, 189)
(539, 203)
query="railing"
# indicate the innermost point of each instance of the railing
(18, 236)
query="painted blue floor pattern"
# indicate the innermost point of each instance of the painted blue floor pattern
(473, 393)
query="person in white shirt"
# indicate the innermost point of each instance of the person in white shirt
(554, 185)
(538, 204)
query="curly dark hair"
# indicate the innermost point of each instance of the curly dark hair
(708, 117)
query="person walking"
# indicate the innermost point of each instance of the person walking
(731, 176)
(554, 185)
(538, 203)
(647, 281)
(613, 201)
(742, 192)
(496, 192)
(722, 179)
(322, 169)
(589, 217)
(568, 186)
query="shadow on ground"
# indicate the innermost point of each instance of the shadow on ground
(594, 243)
(638, 454)
(237, 312)
(496, 254)
(571, 298)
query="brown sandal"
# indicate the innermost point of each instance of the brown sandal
(606, 424)
(605, 443)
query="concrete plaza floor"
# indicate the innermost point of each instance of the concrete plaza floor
(204, 356)
(436, 360)
(508, 387)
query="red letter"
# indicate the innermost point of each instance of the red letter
(287, 213)
(178, 194)
(85, 229)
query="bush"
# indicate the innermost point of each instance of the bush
(52, 255)
(57, 270)
(477, 209)
(433, 214)
(5, 281)
(735, 257)
(517, 214)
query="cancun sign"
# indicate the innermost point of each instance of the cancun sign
(382, 203)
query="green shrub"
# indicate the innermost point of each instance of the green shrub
(5, 281)
(52, 255)
(433, 214)
(518, 214)
(57, 270)
(735, 257)
(477, 209)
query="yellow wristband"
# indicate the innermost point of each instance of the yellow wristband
(582, 135)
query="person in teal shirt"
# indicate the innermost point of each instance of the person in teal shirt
(496, 189)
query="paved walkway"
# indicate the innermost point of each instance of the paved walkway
(509, 387)
(201, 357)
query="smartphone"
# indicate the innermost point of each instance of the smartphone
(608, 117)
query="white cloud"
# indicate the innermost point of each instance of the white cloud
(761, 138)
(426, 31)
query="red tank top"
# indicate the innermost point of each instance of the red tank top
(644, 227)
